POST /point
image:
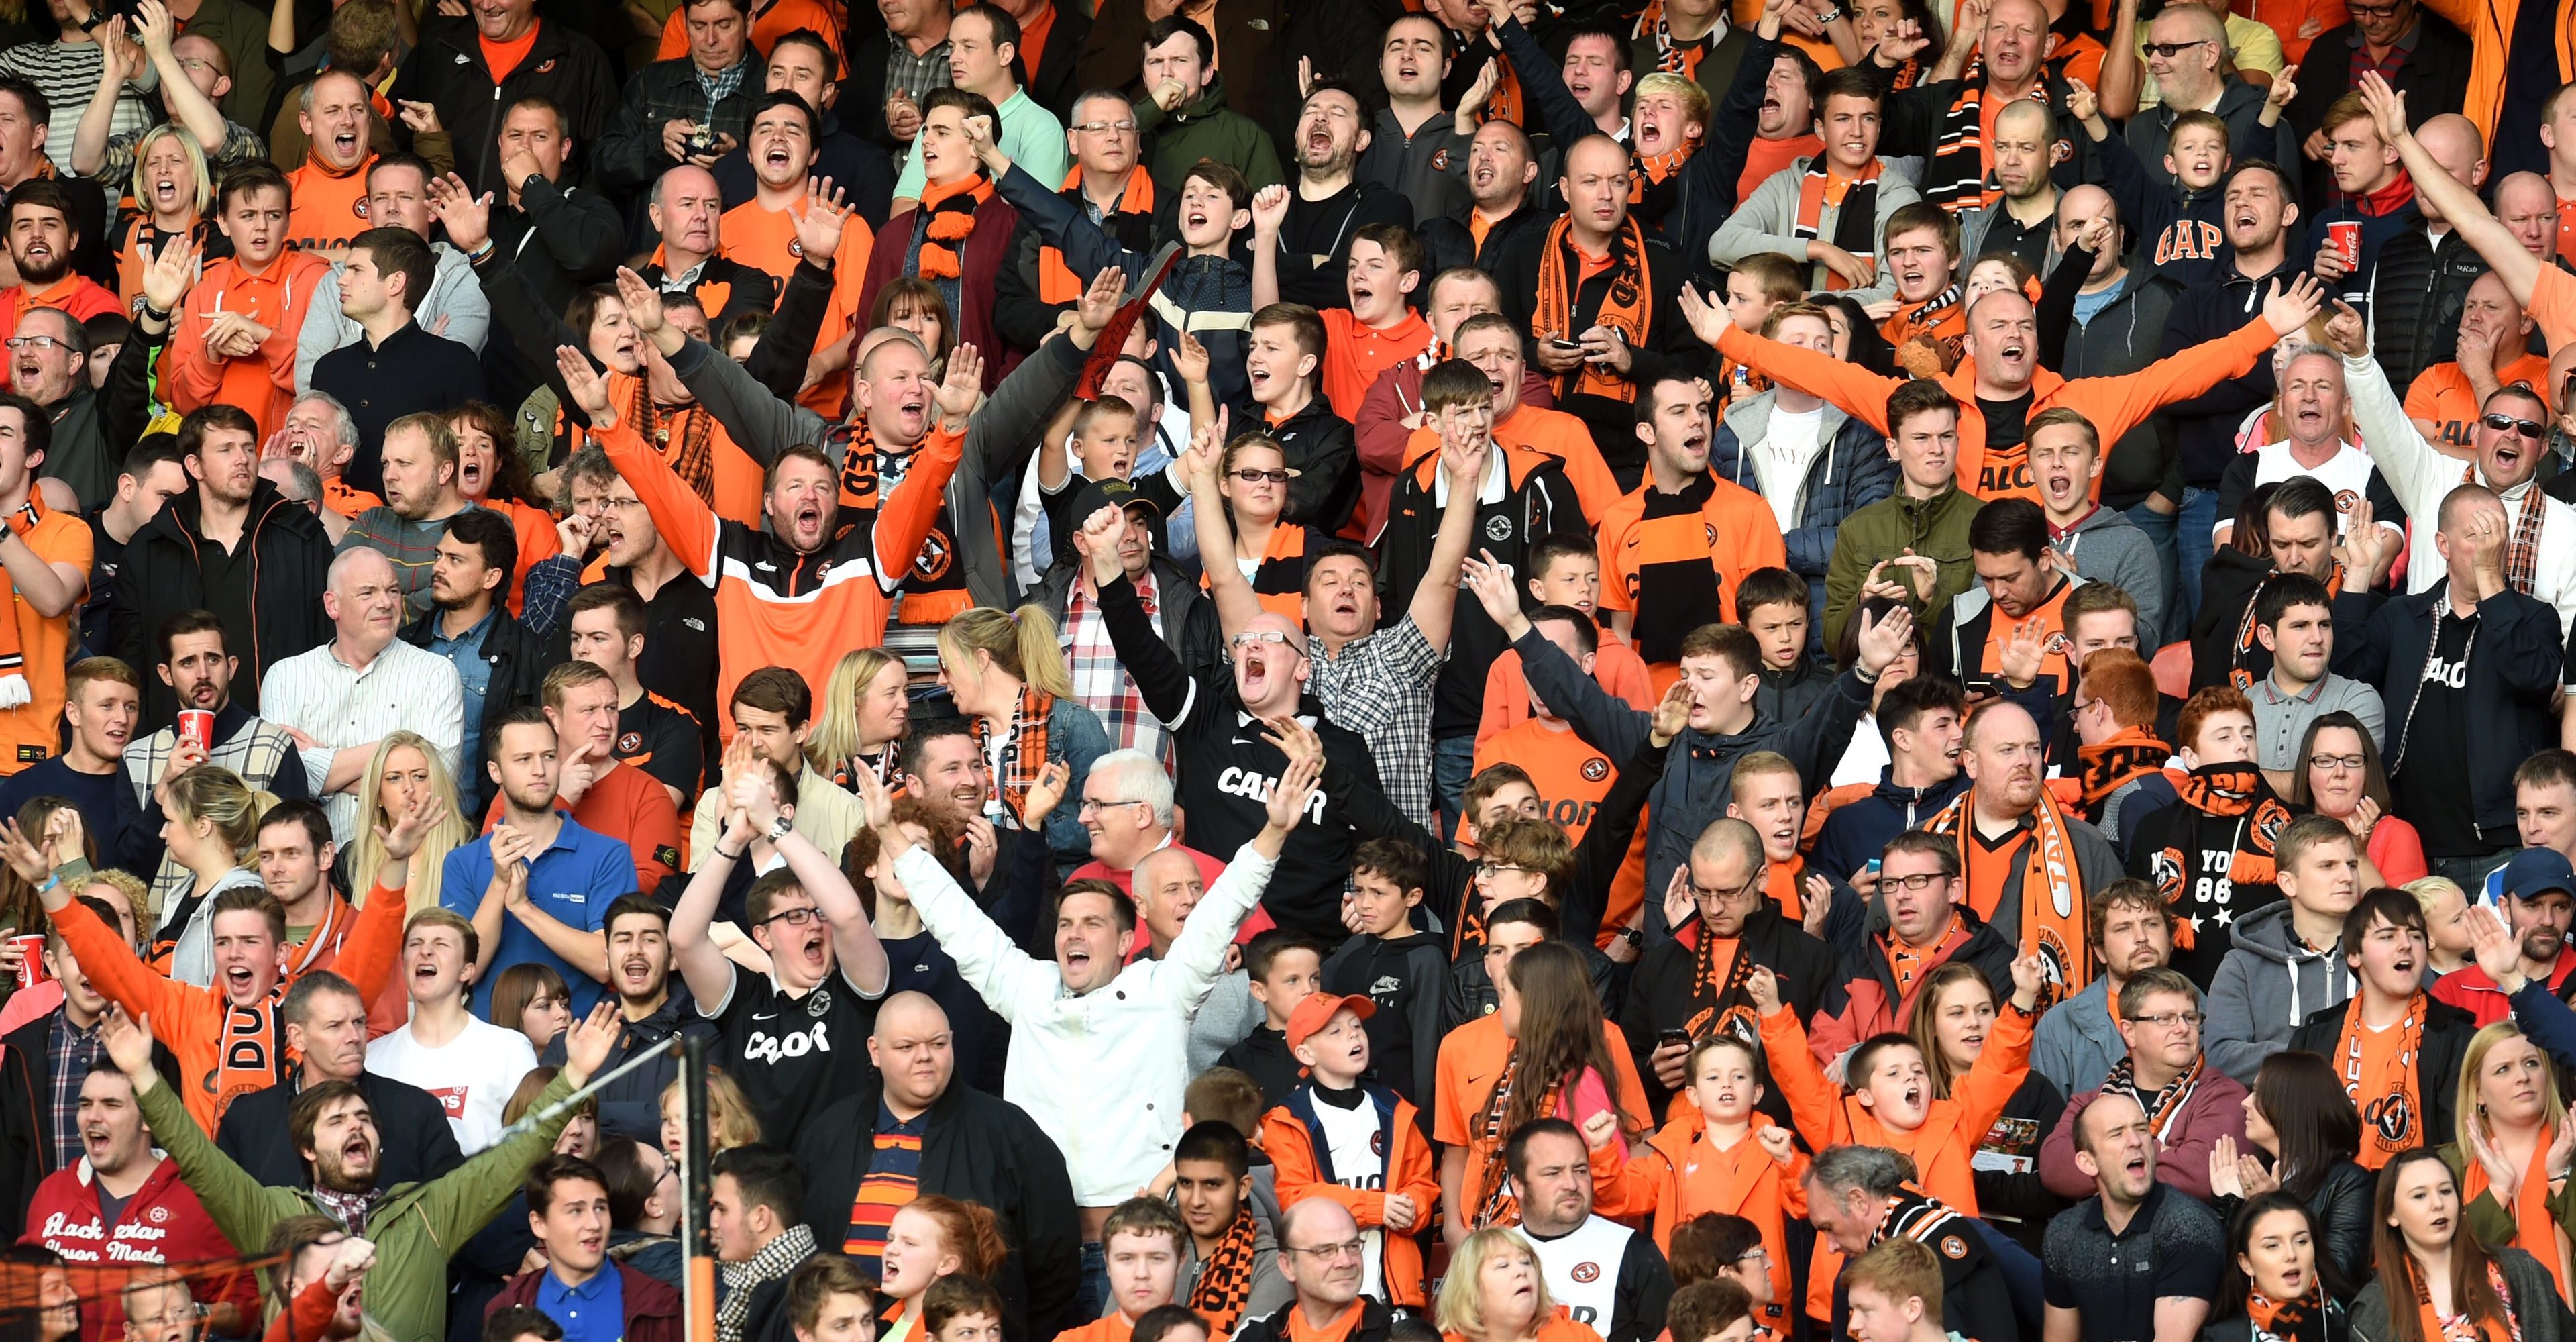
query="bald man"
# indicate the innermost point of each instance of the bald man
(2422, 279)
(2023, 220)
(973, 1147)
(2014, 43)
(2528, 208)
(2006, 819)
(2196, 78)
(1312, 1236)
(2493, 350)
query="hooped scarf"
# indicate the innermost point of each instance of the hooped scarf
(2300, 1320)
(2535, 1228)
(1024, 750)
(2460, 1327)
(1672, 57)
(14, 690)
(2052, 890)
(2228, 810)
(1225, 1278)
(2133, 752)
(2384, 1087)
(1718, 1004)
(1955, 177)
(2163, 1106)
(950, 211)
(2522, 553)
(1856, 227)
(1057, 282)
(1500, 1205)
(1626, 306)
(2237, 675)
(693, 456)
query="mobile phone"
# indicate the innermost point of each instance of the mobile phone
(1555, 343)
(1873, 866)
(1672, 1036)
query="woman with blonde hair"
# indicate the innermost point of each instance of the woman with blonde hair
(860, 722)
(172, 191)
(211, 829)
(404, 767)
(1495, 1292)
(1008, 678)
(2512, 1145)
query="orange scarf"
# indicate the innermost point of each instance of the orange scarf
(1056, 282)
(2388, 1094)
(2052, 891)
(951, 212)
(2131, 753)
(2535, 1230)
(2459, 1327)
(1626, 306)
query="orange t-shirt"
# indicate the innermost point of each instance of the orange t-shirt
(1033, 39)
(1354, 354)
(347, 502)
(30, 733)
(757, 236)
(2378, 1048)
(330, 207)
(1471, 1063)
(504, 57)
(1736, 530)
(2553, 303)
(1572, 777)
(2566, 226)
(1991, 865)
(2442, 394)
(1616, 668)
(73, 294)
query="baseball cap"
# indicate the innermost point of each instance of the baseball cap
(1317, 1011)
(2537, 871)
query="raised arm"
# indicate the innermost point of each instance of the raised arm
(1608, 723)
(1860, 393)
(1227, 587)
(1435, 598)
(237, 1203)
(1269, 211)
(987, 960)
(100, 950)
(89, 138)
(2459, 205)
(682, 517)
(701, 964)
(761, 424)
(191, 109)
(854, 939)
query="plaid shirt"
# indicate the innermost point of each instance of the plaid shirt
(1100, 683)
(915, 75)
(1380, 687)
(73, 1052)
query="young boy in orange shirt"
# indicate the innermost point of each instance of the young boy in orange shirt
(1343, 1137)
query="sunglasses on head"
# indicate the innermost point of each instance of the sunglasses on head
(2508, 423)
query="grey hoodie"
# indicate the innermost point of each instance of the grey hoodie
(1768, 219)
(2267, 987)
(2108, 547)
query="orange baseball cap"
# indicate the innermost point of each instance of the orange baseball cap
(1317, 1011)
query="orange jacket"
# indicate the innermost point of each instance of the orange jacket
(2489, 24)
(262, 383)
(192, 1020)
(2115, 405)
(1678, 1175)
(1290, 1143)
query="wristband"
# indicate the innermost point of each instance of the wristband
(729, 857)
(52, 879)
(154, 313)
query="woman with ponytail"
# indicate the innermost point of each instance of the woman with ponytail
(1008, 678)
(212, 830)
(2435, 1284)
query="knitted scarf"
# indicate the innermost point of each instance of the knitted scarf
(1906, 962)
(2133, 753)
(2237, 674)
(1719, 1007)
(2163, 1106)
(693, 456)
(2535, 1228)
(948, 210)
(1955, 177)
(2439, 1327)
(1655, 170)
(1626, 306)
(1057, 284)
(2300, 1320)
(1671, 57)
(1499, 1205)
(1856, 224)
(2228, 810)
(774, 1261)
(2522, 553)
(1924, 320)
(2392, 1101)
(2052, 890)
(14, 690)
(1024, 751)
(1225, 1278)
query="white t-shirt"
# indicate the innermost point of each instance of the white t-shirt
(473, 1076)
(1780, 463)
(1354, 1139)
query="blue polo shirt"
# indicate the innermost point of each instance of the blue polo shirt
(573, 880)
(594, 1311)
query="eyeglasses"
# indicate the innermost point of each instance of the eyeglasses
(1486, 871)
(1249, 637)
(2386, 11)
(2528, 428)
(800, 917)
(2330, 763)
(1250, 476)
(1729, 894)
(2081, 705)
(1097, 804)
(2169, 50)
(1916, 883)
(2166, 1020)
(33, 342)
(1329, 1253)
(1756, 1254)
(1106, 127)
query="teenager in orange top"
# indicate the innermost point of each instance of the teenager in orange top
(1379, 328)
(2545, 291)
(230, 1038)
(2000, 363)
(43, 232)
(1566, 572)
(45, 559)
(1140, 1249)
(1674, 551)
(331, 184)
(1348, 1140)
(762, 230)
(1494, 1291)
(1719, 1154)
(1570, 775)
(233, 340)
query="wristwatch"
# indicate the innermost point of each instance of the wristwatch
(780, 829)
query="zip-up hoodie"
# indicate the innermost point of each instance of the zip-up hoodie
(2107, 547)
(2076, 1044)
(1850, 471)
(2266, 988)
(1860, 829)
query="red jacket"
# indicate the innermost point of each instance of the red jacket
(161, 1223)
(652, 1308)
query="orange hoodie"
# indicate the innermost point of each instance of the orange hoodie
(224, 1051)
(262, 382)
(2115, 405)
(2490, 24)
(1678, 1174)
(1290, 1144)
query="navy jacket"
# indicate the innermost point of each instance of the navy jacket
(2512, 672)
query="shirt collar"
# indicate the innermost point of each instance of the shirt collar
(1489, 492)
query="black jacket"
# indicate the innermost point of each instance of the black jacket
(631, 1105)
(629, 156)
(1662, 994)
(448, 71)
(560, 239)
(1452, 245)
(2435, 79)
(2512, 672)
(2228, 584)
(419, 1143)
(1668, 346)
(94, 428)
(2447, 1031)
(519, 667)
(2205, 425)
(2417, 291)
(1188, 618)
(978, 1149)
(163, 575)
(1376, 1321)
(1408, 971)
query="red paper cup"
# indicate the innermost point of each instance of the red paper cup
(198, 725)
(31, 971)
(2347, 240)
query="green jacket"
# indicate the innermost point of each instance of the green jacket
(1936, 526)
(415, 1226)
(1176, 141)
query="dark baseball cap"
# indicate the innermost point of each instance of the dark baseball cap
(2538, 871)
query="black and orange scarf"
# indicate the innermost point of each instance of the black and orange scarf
(1672, 56)
(1024, 750)
(1718, 1004)
(2300, 1320)
(1626, 307)
(685, 436)
(949, 213)
(1856, 224)
(1654, 170)
(1955, 176)
(2131, 753)
(2052, 889)
(2438, 1327)
(2228, 810)
(2391, 1103)
(1057, 283)
(1225, 1277)
(1500, 1206)
(2162, 1107)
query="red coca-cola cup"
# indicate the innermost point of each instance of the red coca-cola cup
(197, 725)
(31, 969)
(2346, 238)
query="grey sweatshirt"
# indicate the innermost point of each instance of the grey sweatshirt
(2108, 547)
(1767, 220)
(2267, 987)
